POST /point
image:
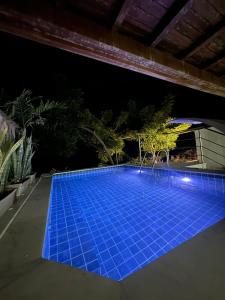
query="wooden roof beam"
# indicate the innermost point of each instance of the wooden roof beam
(121, 15)
(221, 73)
(73, 33)
(169, 21)
(202, 41)
(214, 60)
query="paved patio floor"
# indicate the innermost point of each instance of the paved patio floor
(195, 270)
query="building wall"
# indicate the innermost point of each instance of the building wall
(210, 145)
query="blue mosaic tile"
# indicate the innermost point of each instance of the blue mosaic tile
(114, 221)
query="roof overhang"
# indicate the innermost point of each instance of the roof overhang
(54, 26)
(217, 124)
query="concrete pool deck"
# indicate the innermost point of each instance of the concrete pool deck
(193, 270)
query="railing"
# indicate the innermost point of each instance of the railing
(215, 161)
(203, 155)
(213, 151)
(218, 132)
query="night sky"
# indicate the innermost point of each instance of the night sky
(49, 72)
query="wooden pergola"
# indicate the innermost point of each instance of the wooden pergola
(181, 41)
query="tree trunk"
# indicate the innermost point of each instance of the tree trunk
(139, 146)
(153, 159)
(167, 157)
(101, 142)
(116, 158)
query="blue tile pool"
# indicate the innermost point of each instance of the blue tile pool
(114, 221)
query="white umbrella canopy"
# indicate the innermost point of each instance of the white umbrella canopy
(5, 121)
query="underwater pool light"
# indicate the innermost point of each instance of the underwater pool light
(186, 179)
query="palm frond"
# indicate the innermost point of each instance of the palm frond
(26, 110)
(22, 107)
(48, 105)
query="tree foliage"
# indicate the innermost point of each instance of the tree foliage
(68, 124)
(159, 134)
(106, 135)
(60, 136)
(27, 111)
(162, 138)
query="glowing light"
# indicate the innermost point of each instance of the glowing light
(138, 171)
(186, 179)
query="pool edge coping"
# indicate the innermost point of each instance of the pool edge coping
(143, 167)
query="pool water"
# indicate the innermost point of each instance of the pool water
(114, 221)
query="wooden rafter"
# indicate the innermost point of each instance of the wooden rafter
(221, 73)
(169, 21)
(202, 41)
(126, 4)
(214, 60)
(73, 33)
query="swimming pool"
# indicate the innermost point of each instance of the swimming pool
(114, 221)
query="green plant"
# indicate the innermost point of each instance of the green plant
(106, 134)
(10, 124)
(146, 125)
(21, 160)
(7, 148)
(27, 111)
